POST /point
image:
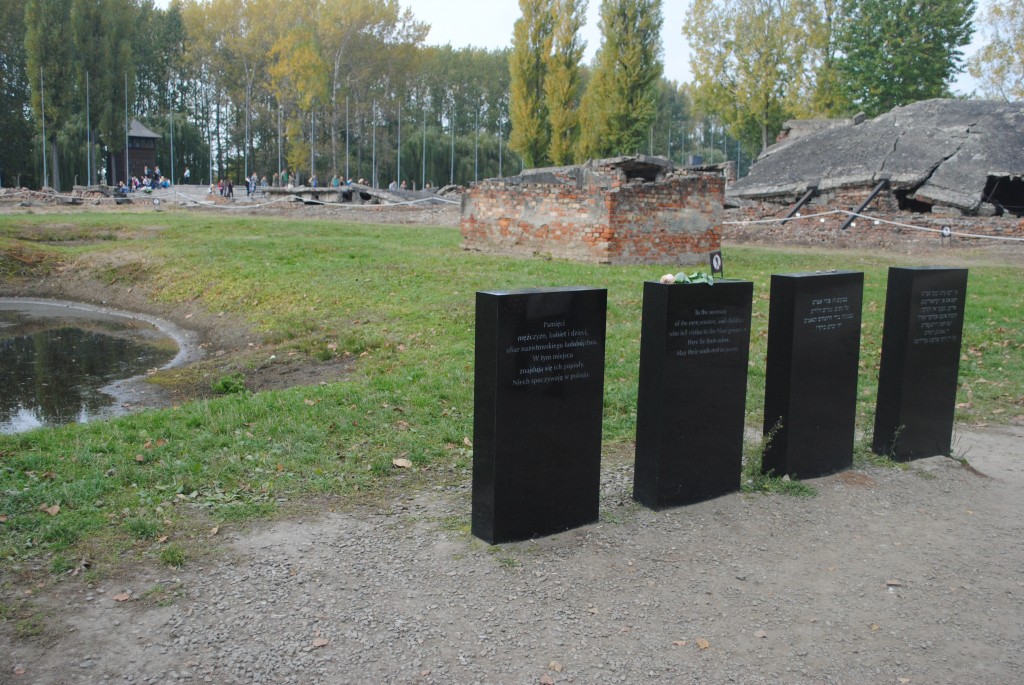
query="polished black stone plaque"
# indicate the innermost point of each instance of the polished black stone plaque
(917, 381)
(811, 373)
(537, 411)
(694, 347)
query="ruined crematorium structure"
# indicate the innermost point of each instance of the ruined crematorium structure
(948, 157)
(625, 210)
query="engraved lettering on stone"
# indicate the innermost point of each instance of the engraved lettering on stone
(549, 354)
(709, 330)
(937, 314)
(829, 313)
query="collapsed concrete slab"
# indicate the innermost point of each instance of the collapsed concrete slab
(624, 210)
(962, 154)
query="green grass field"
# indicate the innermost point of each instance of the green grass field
(401, 300)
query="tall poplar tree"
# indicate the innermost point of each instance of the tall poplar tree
(528, 67)
(16, 137)
(621, 100)
(49, 58)
(828, 97)
(752, 63)
(159, 40)
(101, 34)
(895, 52)
(562, 84)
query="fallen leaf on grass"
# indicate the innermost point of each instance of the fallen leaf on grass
(320, 642)
(3, 518)
(309, 402)
(213, 531)
(702, 643)
(139, 458)
(162, 539)
(122, 597)
(402, 463)
(555, 666)
(467, 442)
(52, 511)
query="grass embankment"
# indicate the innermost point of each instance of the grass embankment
(402, 301)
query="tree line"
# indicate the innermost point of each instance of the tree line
(760, 62)
(348, 87)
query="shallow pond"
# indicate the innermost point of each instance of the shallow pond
(55, 361)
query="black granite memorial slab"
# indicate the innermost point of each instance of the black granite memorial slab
(537, 411)
(694, 347)
(810, 392)
(917, 381)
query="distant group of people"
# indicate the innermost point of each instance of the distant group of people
(225, 187)
(411, 185)
(151, 179)
(255, 183)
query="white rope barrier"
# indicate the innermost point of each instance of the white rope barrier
(943, 232)
(940, 231)
(781, 220)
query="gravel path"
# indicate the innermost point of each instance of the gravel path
(887, 576)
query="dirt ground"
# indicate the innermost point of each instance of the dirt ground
(886, 576)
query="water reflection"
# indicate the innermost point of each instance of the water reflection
(54, 362)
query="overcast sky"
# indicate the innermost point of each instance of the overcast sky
(489, 25)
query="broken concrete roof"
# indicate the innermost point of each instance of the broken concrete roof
(938, 151)
(643, 167)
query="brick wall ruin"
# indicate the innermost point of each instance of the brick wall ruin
(633, 210)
